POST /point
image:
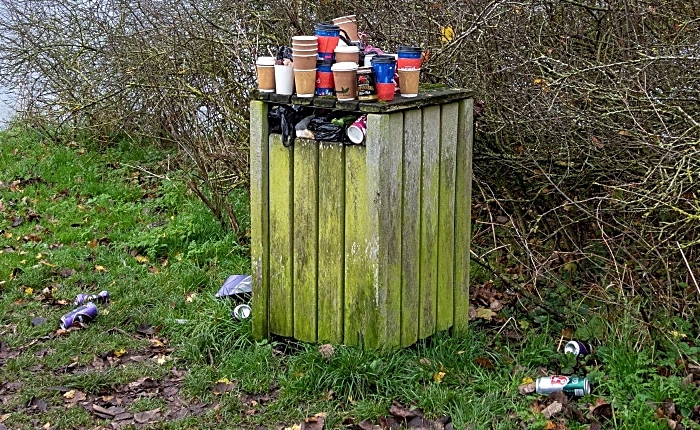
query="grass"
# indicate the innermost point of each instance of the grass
(120, 219)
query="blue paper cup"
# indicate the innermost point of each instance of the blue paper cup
(384, 68)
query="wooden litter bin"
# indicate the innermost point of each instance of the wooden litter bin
(364, 245)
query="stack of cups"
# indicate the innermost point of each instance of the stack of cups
(384, 67)
(266, 74)
(305, 53)
(349, 25)
(409, 64)
(325, 85)
(345, 77)
(409, 57)
(328, 37)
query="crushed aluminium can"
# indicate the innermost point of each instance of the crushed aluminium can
(241, 312)
(572, 385)
(578, 348)
(83, 314)
(101, 297)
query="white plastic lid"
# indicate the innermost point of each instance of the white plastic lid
(349, 49)
(344, 65)
(304, 38)
(265, 61)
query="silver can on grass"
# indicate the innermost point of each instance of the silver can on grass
(572, 385)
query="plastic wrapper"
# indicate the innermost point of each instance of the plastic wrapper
(324, 129)
(283, 120)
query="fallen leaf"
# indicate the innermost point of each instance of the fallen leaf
(484, 313)
(38, 404)
(99, 268)
(550, 426)
(145, 417)
(314, 423)
(66, 272)
(326, 350)
(223, 386)
(28, 291)
(602, 409)
(189, 297)
(399, 411)
(119, 353)
(688, 380)
(4, 417)
(438, 377)
(141, 259)
(17, 222)
(484, 362)
(69, 395)
(527, 388)
(552, 410)
(102, 412)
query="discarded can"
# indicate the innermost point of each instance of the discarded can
(241, 312)
(101, 297)
(573, 385)
(578, 348)
(83, 314)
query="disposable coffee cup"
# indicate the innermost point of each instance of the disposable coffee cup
(304, 62)
(265, 67)
(284, 79)
(345, 77)
(347, 54)
(304, 40)
(305, 81)
(409, 79)
(358, 130)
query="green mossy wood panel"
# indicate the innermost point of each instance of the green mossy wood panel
(280, 238)
(384, 166)
(259, 217)
(463, 210)
(446, 215)
(331, 235)
(361, 249)
(305, 241)
(430, 192)
(410, 234)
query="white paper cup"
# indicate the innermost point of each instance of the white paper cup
(284, 79)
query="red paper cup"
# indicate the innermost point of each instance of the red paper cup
(386, 91)
(408, 63)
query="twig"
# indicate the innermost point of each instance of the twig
(146, 171)
(531, 297)
(688, 266)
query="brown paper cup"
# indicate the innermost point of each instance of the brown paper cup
(266, 78)
(348, 54)
(345, 77)
(305, 81)
(305, 62)
(409, 79)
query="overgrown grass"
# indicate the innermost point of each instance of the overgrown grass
(120, 219)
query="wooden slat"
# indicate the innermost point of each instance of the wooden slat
(446, 215)
(463, 212)
(385, 161)
(430, 184)
(361, 248)
(305, 239)
(331, 235)
(410, 235)
(280, 238)
(259, 217)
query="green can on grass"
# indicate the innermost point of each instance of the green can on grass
(572, 385)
